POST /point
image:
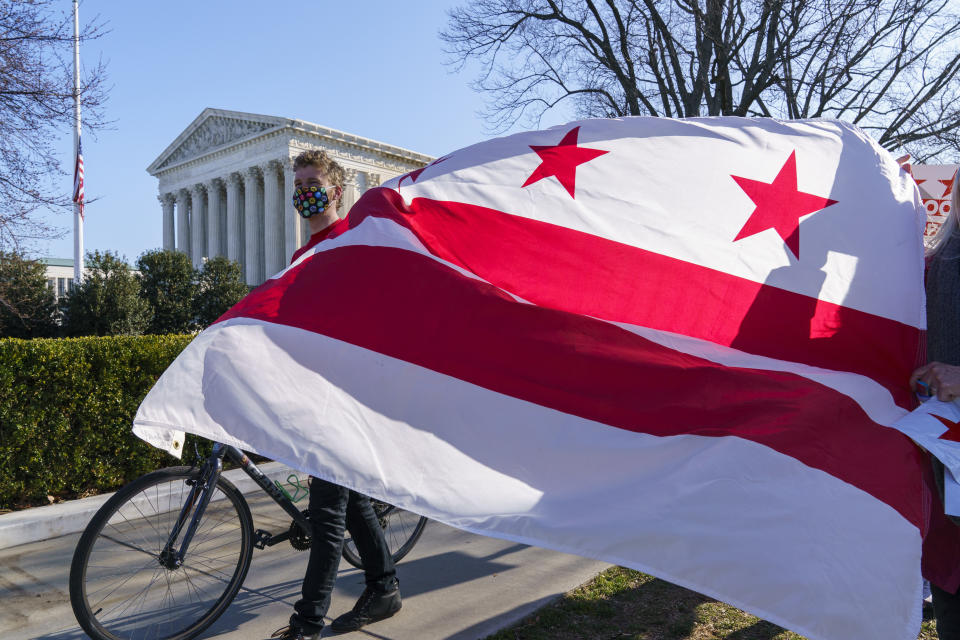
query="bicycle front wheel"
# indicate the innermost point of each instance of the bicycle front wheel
(401, 530)
(122, 583)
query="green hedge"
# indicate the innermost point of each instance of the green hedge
(66, 409)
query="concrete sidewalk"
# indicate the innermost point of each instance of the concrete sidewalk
(454, 585)
(51, 521)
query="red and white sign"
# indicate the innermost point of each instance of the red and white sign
(936, 184)
(676, 345)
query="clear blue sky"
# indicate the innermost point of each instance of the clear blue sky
(371, 68)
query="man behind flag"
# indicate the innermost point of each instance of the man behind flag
(675, 345)
(333, 508)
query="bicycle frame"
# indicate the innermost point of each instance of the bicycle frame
(203, 488)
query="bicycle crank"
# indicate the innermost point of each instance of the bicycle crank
(299, 539)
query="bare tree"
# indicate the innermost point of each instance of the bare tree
(36, 108)
(890, 66)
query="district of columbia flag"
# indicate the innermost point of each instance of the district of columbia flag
(78, 177)
(675, 345)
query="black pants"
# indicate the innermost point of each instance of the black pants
(332, 508)
(946, 607)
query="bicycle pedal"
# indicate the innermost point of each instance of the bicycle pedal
(262, 539)
(266, 539)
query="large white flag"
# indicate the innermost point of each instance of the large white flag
(675, 345)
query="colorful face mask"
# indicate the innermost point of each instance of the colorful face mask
(310, 201)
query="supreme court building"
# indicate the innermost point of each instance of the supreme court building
(226, 184)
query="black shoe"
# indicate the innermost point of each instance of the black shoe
(294, 633)
(373, 605)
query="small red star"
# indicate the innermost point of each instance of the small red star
(953, 429)
(413, 175)
(780, 205)
(562, 160)
(949, 186)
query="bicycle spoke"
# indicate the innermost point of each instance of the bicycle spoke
(132, 528)
(122, 583)
(190, 583)
(208, 572)
(129, 546)
(144, 516)
(136, 596)
(227, 518)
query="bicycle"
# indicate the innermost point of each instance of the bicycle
(194, 536)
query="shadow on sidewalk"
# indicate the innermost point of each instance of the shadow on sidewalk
(435, 572)
(504, 620)
(418, 576)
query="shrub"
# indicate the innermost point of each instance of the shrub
(108, 300)
(66, 410)
(167, 283)
(220, 285)
(27, 305)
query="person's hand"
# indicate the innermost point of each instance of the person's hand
(904, 162)
(941, 380)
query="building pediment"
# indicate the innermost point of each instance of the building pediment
(212, 130)
(219, 130)
(226, 172)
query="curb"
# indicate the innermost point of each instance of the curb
(51, 521)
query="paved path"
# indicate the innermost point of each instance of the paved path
(454, 585)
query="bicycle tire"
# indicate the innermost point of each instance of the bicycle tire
(139, 518)
(401, 529)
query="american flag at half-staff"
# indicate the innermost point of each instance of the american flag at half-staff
(78, 177)
(675, 345)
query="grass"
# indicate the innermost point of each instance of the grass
(621, 604)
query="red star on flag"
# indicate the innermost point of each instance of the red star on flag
(948, 184)
(562, 161)
(413, 175)
(780, 205)
(953, 429)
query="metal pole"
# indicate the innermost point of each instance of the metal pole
(77, 216)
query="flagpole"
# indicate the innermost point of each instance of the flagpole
(77, 206)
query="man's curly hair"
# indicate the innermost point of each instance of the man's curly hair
(318, 158)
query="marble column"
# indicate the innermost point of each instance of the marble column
(197, 244)
(235, 239)
(167, 202)
(214, 240)
(293, 238)
(304, 230)
(183, 221)
(273, 235)
(251, 225)
(349, 197)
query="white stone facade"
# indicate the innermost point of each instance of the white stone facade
(226, 184)
(59, 272)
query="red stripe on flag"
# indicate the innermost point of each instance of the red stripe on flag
(411, 307)
(558, 267)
